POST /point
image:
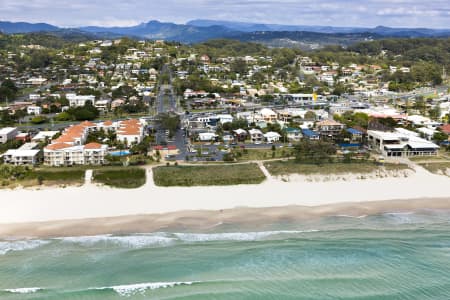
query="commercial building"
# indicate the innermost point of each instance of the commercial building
(401, 143)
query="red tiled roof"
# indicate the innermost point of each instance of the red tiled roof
(58, 146)
(446, 129)
(93, 146)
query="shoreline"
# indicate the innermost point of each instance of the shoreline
(91, 201)
(244, 218)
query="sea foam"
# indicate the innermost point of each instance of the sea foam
(141, 288)
(131, 241)
(234, 236)
(10, 246)
(28, 290)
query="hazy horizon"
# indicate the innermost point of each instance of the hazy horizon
(338, 13)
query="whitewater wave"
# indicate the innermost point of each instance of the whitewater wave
(10, 246)
(234, 236)
(131, 241)
(28, 290)
(141, 288)
(137, 241)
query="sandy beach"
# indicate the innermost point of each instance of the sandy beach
(92, 201)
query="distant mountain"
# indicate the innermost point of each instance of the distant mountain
(23, 27)
(304, 39)
(252, 27)
(380, 30)
(167, 31)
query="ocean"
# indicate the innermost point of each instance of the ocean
(387, 256)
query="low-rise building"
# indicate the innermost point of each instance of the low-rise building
(27, 154)
(401, 143)
(329, 128)
(7, 134)
(130, 132)
(256, 136)
(34, 110)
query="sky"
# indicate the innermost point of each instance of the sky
(354, 13)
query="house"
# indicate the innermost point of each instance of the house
(256, 136)
(36, 81)
(268, 115)
(207, 136)
(44, 135)
(329, 128)
(240, 134)
(7, 134)
(401, 143)
(103, 105)
(25, 155)
(23, 136)
(293, 134)
(34, 110)
(310, 135)
(356, 135)
(272, 137)
(80, 100)
(445, 129)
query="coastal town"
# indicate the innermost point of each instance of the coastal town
(125, 103)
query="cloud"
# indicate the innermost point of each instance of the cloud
(402, 13)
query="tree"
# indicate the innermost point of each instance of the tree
(314, 151)
(440, 137)
(8, 90)
(39, 120)
(435, 112)
(169, 122)
(310, 115)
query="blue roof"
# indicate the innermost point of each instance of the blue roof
(353, 131)
(309, 133)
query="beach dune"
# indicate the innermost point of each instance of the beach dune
(91, 201)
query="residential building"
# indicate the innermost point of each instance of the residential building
(80, 100)
(310, 134)
(272, 137)
(7, 134)
(256, 136)
(130, 132)
(27, 154)
(293, 134)
(34, 110)
(401, 143)
(329, 128)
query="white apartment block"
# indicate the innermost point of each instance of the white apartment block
(7, 134)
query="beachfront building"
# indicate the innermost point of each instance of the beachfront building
(27, 154)
(69, 148)
(329, 128)
(61, 154)
(7, 134)
(401, 143)
(130, 132)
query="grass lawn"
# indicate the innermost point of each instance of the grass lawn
(436, 168)
(428, 158)
(208, 175)
(128, 178)
(292, 167)
(262, 154)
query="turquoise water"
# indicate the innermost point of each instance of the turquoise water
(120, 153)
(389, 256)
